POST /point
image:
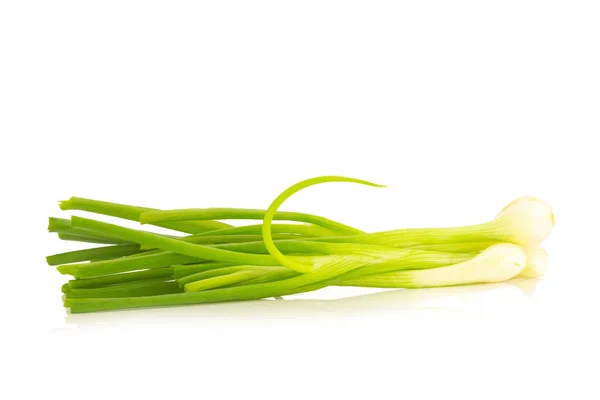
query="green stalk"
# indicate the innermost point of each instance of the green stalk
(132, 213)
(88, 239)
(295, 246)
(151, 287)
(256, 275)
(273, 275)
(92, 283)
(486, 232)
(221, 271)
(222, 280)
(67, 232)
(425, 237)
(148, 260)
(468, 247)
(194, 214)
(95, 253)
(223, 239)
(232, 239)
(183, 270)
(309, 230)
(169, 244)
(307, 246)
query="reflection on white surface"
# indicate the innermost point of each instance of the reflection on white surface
(415, 302)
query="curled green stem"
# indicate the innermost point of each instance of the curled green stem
(272, 212)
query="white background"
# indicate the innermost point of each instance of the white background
(458, 106)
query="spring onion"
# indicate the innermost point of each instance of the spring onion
(216, 262)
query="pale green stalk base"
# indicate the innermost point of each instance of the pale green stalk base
(496, 264)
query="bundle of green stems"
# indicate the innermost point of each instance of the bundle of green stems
(206, 260)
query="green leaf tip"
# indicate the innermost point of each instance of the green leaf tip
(65, 204)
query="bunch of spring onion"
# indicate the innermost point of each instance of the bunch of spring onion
(206, 260)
